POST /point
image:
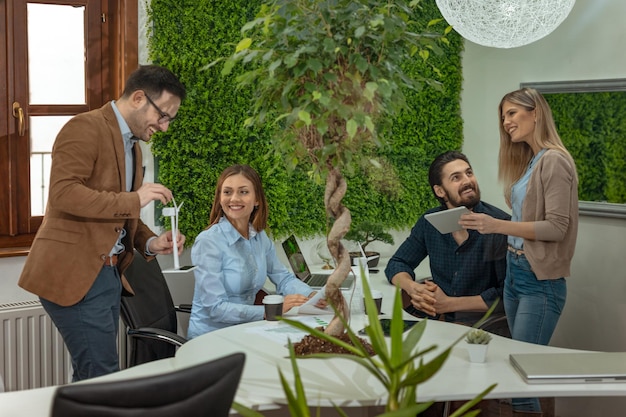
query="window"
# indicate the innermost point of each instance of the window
(61, 59)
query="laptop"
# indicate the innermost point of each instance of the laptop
(301, 268)
(570, 367)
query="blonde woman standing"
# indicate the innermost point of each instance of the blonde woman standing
(541, 188)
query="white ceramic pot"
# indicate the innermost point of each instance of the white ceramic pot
(477, 353)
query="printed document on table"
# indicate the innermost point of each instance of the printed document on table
(281, 332)
(310, 306)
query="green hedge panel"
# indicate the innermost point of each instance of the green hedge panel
(593, 128)
(208, 134)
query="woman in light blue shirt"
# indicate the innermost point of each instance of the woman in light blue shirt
(234, 256)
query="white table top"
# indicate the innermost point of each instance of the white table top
(334, 380)
(338, 380)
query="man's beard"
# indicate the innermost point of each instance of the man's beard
(469, 202)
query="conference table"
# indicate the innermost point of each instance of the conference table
(345, 383)
(336, 381)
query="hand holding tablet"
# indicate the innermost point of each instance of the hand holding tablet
(447, 221)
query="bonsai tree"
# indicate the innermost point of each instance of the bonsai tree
(329, 74)
(367, 232)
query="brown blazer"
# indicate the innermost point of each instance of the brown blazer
(87, 208)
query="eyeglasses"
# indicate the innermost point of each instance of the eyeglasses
(163, 117)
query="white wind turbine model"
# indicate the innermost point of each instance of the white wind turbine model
(172, 213)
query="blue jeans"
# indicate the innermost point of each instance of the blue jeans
(89, 328)
(533, 308)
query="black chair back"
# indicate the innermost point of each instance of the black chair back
(151, 306)
(204, 390)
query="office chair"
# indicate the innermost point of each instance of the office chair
(204, 390)
(258, 300)
(497, 324)
(150, 314)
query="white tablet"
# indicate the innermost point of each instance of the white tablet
(447, 221)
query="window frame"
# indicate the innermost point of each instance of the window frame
(586, 208)
(115, 45)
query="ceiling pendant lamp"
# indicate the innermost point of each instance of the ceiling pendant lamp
(504, 23)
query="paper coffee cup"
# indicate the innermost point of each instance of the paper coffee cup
(378, 299)
(273, 306)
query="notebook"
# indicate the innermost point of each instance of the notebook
(447, 221)
(570, 367)
(301, 269)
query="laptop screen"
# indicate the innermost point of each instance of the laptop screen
(295, 257)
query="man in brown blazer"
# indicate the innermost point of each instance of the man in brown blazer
(92, 224)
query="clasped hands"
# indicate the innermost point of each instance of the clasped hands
(428, 297)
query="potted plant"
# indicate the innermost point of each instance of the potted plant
(365, 233)
(477, 344)
(399, 363)
(329, 73)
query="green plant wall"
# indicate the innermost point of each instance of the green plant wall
(593, 128)
(208, 134)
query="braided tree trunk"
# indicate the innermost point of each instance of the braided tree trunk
(336, 187)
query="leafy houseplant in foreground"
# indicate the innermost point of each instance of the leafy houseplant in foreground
(329, 73)
(400, 365)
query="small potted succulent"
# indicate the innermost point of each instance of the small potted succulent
(477, 344)
(365, 233)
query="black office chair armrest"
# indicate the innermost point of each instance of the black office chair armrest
(183, 308)
(157, 334)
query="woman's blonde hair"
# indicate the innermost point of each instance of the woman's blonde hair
(514, 158)
(259, 215)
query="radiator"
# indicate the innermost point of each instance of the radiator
(32, 352)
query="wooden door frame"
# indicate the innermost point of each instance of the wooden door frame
(124, 43)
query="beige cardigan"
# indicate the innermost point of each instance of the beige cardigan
(551, 202)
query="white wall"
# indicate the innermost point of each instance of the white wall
(588, 45)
